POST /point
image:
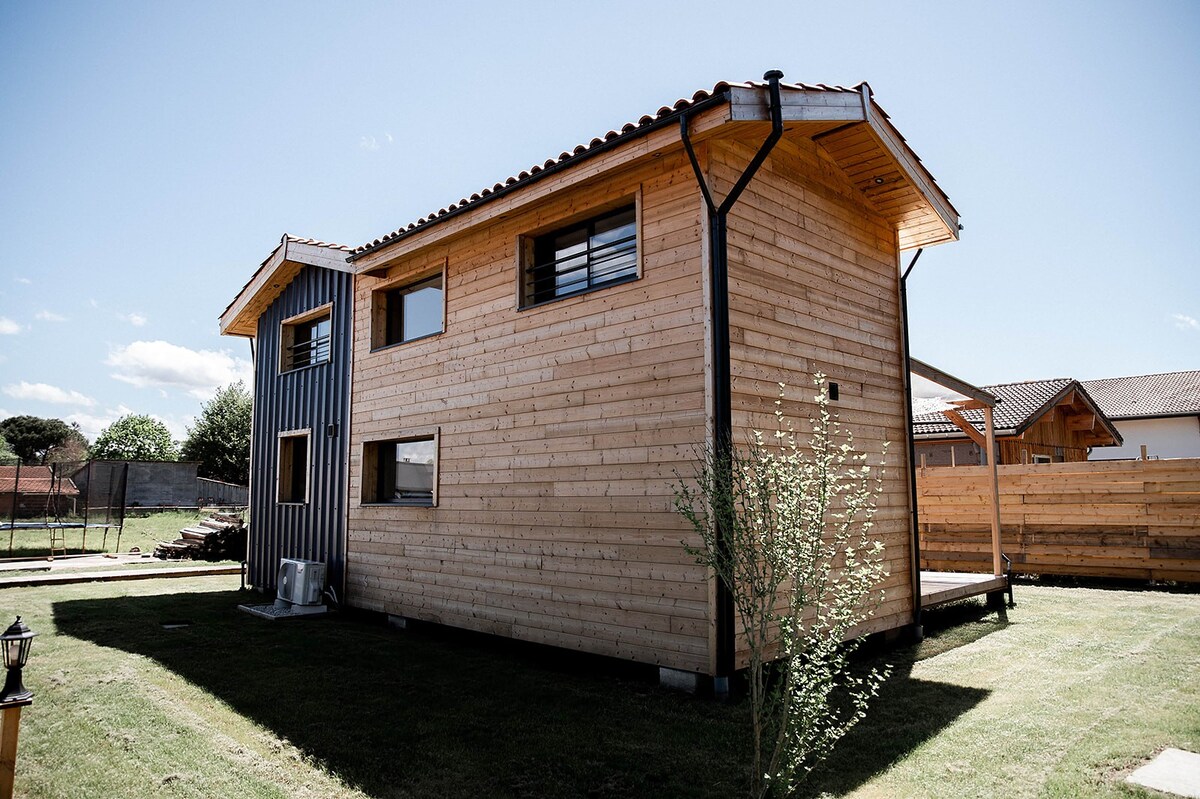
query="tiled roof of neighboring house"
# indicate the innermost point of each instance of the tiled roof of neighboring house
(1167, 394)
(35, 480)
(630, 130)
(1020, 404)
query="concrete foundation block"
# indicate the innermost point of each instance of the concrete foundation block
(677, 680)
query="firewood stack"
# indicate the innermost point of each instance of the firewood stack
(222, 536)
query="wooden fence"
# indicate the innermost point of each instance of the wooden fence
(1132, 519)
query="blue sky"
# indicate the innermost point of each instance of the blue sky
(152, 154)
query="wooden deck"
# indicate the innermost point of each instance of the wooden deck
(938, 588)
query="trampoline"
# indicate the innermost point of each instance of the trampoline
(77, 495)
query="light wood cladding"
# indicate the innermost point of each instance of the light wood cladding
(562, 427)
(814, 288)
(1130, 519)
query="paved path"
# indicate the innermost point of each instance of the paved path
(64, 571)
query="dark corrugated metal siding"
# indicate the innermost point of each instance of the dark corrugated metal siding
(314, 397)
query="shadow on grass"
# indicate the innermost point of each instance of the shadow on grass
(908, 711)
(436, 712)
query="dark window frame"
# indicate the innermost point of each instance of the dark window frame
(388, 311)
(540, 259)
(289, 471)
(379, 472)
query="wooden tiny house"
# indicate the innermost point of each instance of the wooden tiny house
(535, 364)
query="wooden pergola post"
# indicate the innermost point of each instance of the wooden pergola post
(990, 433)
(977, 399)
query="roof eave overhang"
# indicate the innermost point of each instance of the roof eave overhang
(280, 267)
(1150, 416)
(957, 436)
(1089, 403)
(875, 156)
(924, 218)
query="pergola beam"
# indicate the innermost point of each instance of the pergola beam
(978, 399)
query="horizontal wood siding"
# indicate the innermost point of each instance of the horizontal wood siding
(561, 430)
(814, 288)
(312, 398)
(1134, 519)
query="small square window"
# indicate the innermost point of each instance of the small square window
(401, 471)
(407, 313)
(293, 468)
(597, 252)
(305, 342)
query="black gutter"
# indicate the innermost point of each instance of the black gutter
(719, 317)
(918, 630)
(544, 172)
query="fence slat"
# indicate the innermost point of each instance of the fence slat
(1132, 519)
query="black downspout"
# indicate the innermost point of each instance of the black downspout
(722, 375)
(918, 629)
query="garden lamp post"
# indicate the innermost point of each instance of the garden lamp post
(15, 643)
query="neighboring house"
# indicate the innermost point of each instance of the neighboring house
(30, 491)
(297, 309)
(1159, 412)
(535, 365)
(1037, 421)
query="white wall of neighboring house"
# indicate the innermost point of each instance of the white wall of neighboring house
(1176, 437)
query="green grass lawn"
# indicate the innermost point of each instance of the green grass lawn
(142, 530)
(1064, 696)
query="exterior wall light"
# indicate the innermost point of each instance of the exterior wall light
(15, 643)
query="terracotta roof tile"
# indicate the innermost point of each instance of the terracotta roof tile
(35, 480)
(628, 130)
(315, 243)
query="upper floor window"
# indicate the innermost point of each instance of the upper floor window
(587, 255)
(409, 312)
(305, 341)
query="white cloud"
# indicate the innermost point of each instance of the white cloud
(373, 143)
(1185, 322)
(8, 327)
(23, 280)
(162, 365)
(91, 425)
(135, 319)
(50, 316)
(43, 392)
(93, 303)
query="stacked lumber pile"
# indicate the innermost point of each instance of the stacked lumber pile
(222, 536)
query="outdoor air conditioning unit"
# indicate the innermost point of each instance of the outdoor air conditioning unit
(300, 585)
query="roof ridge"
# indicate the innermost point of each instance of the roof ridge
(315, 242)
(641, 125)
(1032, 382)
(1136, 377)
